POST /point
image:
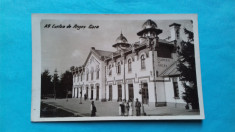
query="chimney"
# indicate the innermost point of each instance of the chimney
(175, 31)
(93, 48)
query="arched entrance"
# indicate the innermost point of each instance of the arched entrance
(97, 91)
(110, 93)
(131, 91)
(77, 92)
(145, 93)
(92, 89)
(119, 92)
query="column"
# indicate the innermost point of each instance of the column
(127, 92)
(94, 92)
(123, 92)
(107, 92)
(73, 92)
(89, 92)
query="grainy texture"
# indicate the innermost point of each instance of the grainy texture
(216, 33)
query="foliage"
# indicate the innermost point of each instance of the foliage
(56, 86)
(187, 68)
(46, 84)
(66, 84)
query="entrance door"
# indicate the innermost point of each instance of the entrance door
(110, 93)
(131, 91)
(77, 92)
(91, 92)
(145, 93)
(119, 92)
(81, 92)
(97, 92)
(87, 91)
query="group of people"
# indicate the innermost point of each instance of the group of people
(126, 108)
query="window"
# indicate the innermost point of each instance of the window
(129, 65)
(119, 92)
(110, 70)
(119, 68)
(87, 76)
(110, 93)
(142, 62)
(97, 74)
(175, 87)
(92, 74)
(78, 78)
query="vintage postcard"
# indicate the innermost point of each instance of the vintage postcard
(89, 67)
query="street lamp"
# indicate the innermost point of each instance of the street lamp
(54, 87)
(142, 94)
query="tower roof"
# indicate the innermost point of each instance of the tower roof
(121, 42)
(149, 24)
(174, 24)
(121, 39)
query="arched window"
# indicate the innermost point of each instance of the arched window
(87, 74)
(119, 68)
(92, 73)
(97, 74)
(129, 65)
(142, 62)
(110, 70)
(81, 76)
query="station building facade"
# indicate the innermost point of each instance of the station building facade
(146, 69)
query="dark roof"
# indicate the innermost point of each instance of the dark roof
(121, 39)
(149, 24)
(103, 53)
(170, 71)
(174, 24)
(158, 31)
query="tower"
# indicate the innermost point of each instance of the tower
(121, 43)
(175, 35)
(149, 33)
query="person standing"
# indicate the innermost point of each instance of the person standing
(127, 108)
(137, 107)
(122, 108)
(93, 109)
(131, 107)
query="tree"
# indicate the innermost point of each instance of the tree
(66, 83)
(46, 84)
(55, 82)
(186, 66)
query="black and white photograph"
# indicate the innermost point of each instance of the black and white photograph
(115, 67)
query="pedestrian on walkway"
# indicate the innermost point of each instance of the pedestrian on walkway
(127, 108)
(85, 96)
(93, 109)
(119, 108)
(131, 107)
(137, 107)
(122, 108)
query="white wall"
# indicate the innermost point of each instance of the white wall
(170, 92)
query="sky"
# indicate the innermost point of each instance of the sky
(62, 48)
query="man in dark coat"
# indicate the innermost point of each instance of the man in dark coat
(93, 109)
(137, 107)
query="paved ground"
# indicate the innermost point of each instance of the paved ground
(111, 108)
